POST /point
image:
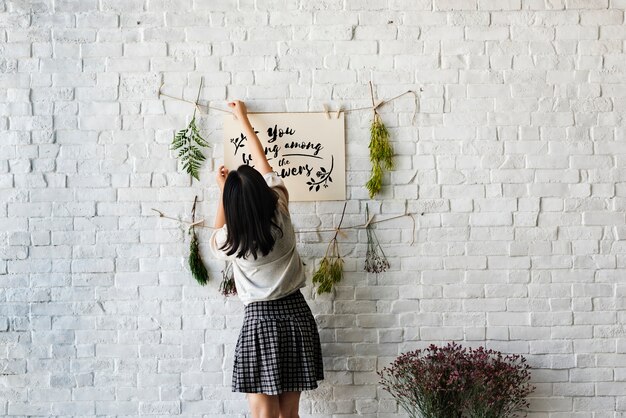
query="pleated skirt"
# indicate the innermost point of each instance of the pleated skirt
(278, 348)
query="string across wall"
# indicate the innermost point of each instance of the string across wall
(337, 229)
(374, 107)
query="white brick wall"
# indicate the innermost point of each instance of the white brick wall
(517, 162)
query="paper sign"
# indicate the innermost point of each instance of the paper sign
(306, 149)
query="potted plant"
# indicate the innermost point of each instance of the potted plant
(455, 382)
(499, 384)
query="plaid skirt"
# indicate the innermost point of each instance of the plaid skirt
(278, 348)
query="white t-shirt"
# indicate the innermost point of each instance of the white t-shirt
(276, 274)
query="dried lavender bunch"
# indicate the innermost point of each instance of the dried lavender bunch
(227, 286)
(375, 259)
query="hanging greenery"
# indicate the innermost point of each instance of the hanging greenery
(381, 155)
(330, 271)
(196, 265)
(227, 287)
(187, 141)
(375, 259)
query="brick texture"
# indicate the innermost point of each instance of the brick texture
(515, 167)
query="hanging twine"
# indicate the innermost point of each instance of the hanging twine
(196, 103)
(374, 107)
(338, 230)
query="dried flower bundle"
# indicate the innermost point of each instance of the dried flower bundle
(227, 286)
(453, 382)
(381, 154)
(198, 270)
(330, 271)
(375, 259)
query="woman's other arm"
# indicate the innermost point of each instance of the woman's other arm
(220, 219)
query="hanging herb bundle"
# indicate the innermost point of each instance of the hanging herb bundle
(227, 287)
(375, 259)
(196, 265)
(187, 142)
(381, 151)
(198, 270)
(330, 271)
(381, 154)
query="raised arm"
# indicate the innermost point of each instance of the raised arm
(254, 144)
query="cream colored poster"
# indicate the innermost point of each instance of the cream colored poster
(306, 149)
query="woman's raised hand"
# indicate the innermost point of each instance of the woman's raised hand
(239, 109)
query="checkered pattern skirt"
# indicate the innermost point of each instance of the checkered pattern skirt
(278, 348)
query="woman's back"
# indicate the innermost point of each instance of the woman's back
(275, 274)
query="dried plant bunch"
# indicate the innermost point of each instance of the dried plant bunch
(227, 286)
(198, 270)
(375, 258)
(196, 265)
(330, 271)
(381, 155)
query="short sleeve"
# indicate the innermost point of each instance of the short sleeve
(218, 238)
(274, 181)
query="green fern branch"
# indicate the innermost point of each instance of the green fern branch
(185, 142)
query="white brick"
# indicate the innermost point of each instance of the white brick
(513, 169)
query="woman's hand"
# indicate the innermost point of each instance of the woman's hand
(222, 173)
(239, 109)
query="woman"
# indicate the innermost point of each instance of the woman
(278, 352)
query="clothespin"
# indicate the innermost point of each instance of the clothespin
(337, 114)
(341, 232)
(326, 111)
(196, 223)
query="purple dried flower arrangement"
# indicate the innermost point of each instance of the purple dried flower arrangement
(455, 382)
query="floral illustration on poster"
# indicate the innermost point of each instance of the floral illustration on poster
(306, 149)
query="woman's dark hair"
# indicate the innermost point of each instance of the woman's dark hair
(249, 210)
